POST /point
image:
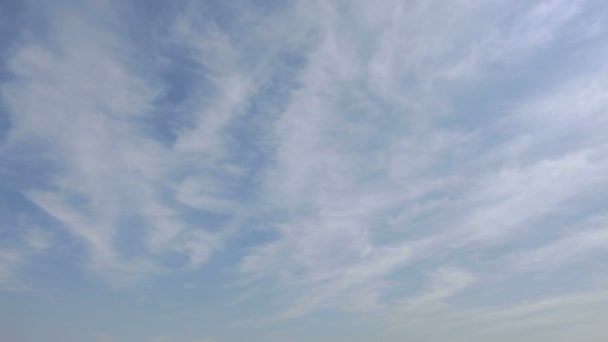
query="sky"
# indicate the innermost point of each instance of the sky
(314, 170)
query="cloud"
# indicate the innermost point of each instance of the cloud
(560, 318)
(445, 283)
(353, 184)
(9, 259)
(398, 164)
(566, 250)
(82, 104)
(14, 257)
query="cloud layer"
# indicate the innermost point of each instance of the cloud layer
(389, 166)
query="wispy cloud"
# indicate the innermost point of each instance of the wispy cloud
(15, 256)
(361, 166)
(402, 162)
(590, 238)
(82, 101)
(562, 319)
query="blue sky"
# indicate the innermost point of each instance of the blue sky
(217, 171)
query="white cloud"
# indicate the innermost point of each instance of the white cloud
(561, 318)
(81, 101)
(412, 137)
(347, 183)
(582, 243)
(13, 258)
(445, 282)
(9, 260)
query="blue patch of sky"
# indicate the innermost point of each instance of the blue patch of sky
(5, 123)
(185, 87)
(28, 165)
(14, 209)
(208, 219)
(252, 143)
(60, 267)
(12, 15)
(506, 84)
(184, 81)
(57, 266)
(19, 214)
(129, 239)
